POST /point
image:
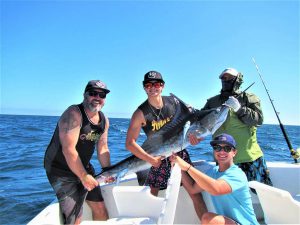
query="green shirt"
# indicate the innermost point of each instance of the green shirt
(242, 125)
(245, 137)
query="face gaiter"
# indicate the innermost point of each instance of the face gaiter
(227, 85)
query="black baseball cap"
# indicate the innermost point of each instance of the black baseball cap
(96, 84)
(153, 76)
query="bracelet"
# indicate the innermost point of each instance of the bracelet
(188, 168)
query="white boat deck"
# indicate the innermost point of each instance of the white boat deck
(284, 176)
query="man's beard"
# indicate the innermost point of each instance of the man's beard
(92, 108)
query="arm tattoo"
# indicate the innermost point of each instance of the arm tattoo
(69, 122)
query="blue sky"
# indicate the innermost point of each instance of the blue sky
(51, 49)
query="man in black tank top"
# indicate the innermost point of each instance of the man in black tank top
(151, 116)
(67, 158)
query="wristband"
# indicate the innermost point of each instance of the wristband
(188, 168)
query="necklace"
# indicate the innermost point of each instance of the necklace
(157, 115)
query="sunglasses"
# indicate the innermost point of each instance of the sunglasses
(96, 93)
(228, 78)
(219, 148)
(156, 85)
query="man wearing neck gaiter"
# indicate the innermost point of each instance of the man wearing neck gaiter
(244, 116)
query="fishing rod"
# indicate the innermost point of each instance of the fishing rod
(245, 90)
(294, 154)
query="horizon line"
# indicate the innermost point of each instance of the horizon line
(116, 117)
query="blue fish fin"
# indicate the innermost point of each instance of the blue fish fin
(142, 176)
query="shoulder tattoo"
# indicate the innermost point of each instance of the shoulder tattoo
(68, 122)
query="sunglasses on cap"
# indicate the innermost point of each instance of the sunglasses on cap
(219, 148)
(154, 84)
(96, 93)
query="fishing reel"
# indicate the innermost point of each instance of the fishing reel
(295, 154)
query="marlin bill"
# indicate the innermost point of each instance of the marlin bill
(173, 137)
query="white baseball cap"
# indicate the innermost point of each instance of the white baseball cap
(230, 71)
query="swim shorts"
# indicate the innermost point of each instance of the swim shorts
(71, 195)
(256, 170)
(158, 176)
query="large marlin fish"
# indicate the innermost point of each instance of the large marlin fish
(173, 137)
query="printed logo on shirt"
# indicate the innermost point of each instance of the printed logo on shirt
(156, 125)
(91, 136)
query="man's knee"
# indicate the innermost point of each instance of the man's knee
(99, 210)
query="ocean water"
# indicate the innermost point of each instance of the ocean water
(24, 189)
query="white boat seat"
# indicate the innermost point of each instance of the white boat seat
(50, 215)
(278, 205)
(136, 205)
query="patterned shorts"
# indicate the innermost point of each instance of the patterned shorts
(158, 177)
(257, 170)
(71, 195)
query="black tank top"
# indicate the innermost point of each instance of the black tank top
(55, 162)
(156, 119)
